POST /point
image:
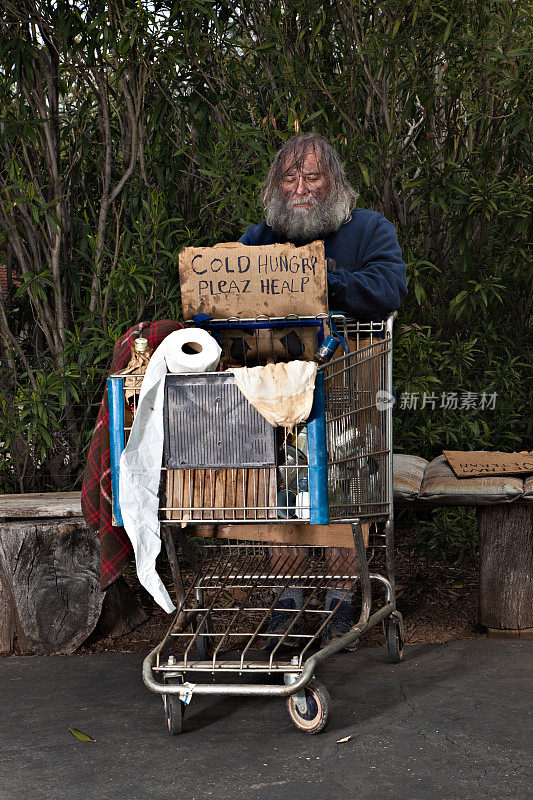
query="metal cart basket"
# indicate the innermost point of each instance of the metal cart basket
(232, 515)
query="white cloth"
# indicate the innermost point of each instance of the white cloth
(140, 462)
(282, 393)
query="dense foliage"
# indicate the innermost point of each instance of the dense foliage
(131, 129)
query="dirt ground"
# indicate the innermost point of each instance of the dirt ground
(438, 602)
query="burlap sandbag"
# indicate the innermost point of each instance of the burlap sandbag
(528, 488)
(408, 473)
(441, 487)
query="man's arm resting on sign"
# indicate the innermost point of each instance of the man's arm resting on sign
(379, 286)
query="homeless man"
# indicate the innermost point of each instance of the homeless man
(306, 197)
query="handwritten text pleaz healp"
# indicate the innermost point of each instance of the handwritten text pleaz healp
(270, 275)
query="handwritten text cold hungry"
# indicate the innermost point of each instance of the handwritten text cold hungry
(292, 274)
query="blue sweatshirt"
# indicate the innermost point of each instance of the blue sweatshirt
(369, 281)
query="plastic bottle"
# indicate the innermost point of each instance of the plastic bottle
(301, 442)
(302, 499)
(327, 350)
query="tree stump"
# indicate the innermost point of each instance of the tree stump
(50, 597)
(506, 569)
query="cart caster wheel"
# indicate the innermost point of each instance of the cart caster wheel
(318, 708)
(394, 641)
(203, 643)
(174, 708)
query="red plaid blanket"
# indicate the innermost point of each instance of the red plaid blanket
(115, 547)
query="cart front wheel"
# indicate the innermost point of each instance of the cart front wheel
(318, 711)
(394, 641)
(174, 708)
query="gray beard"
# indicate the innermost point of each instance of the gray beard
(301, 224)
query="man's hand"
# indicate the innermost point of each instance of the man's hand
(334, 282)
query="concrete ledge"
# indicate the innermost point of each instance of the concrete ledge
(414, 487)
(40, 505)
(417, 484)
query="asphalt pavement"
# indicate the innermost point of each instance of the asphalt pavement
(452, 722)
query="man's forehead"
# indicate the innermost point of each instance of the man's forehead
(306, 161)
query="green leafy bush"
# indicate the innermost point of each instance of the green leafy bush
(451, 535)
(129, 133)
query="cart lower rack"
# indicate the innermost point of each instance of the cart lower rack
(229, 592)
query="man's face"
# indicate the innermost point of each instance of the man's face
(305, 207)
(305, 188)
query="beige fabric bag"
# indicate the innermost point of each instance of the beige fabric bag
(282, 393)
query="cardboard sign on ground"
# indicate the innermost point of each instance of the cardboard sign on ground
(479, 463)
(233, 280)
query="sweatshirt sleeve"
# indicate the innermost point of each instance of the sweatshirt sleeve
(257, 235)
(379, 286)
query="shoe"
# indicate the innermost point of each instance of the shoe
(282, 616)
(339, 625)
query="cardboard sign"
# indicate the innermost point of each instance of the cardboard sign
(480, 463)
(233, 280)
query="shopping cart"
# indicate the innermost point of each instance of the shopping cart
(243, 507)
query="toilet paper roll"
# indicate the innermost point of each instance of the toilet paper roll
(186, 350)
(191, 350)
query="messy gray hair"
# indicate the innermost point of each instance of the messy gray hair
(293, 153)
